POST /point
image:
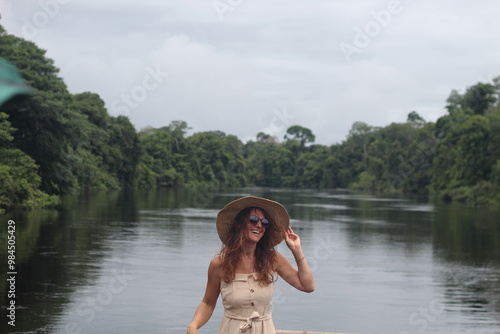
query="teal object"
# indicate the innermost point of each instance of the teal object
(11, 82)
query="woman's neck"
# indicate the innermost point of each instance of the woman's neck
(248, 250)
(247, 257)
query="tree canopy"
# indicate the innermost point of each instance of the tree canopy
(57, 143)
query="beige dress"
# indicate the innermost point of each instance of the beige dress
(247, 306)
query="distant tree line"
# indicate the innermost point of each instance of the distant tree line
(58, 143)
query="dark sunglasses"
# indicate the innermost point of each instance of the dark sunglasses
(254, 220)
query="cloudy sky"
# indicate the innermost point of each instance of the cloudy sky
(245, 66)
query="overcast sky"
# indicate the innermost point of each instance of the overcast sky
(245, 66)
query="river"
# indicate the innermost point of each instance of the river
(136, 262)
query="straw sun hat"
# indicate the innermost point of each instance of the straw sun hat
(274, 211)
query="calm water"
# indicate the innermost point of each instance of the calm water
(137, 263)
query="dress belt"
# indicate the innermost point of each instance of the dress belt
(255, 316)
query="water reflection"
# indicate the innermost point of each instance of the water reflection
(58, 251)
(467, 246)
(136, 261)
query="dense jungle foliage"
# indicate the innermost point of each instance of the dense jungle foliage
(56, 143)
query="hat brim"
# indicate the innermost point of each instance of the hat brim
(275, 212)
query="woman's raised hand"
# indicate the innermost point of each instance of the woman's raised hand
(292, 239)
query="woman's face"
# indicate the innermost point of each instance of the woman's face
(254, 232)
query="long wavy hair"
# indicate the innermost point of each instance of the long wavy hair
(265, 254)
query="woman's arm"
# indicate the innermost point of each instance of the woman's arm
(207, 305)
(302, 279)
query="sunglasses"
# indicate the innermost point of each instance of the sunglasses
(254, 220)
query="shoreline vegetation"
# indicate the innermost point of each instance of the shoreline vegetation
(56, 143)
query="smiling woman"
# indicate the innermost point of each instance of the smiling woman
(245, 270)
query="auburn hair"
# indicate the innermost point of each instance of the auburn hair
(265, 254)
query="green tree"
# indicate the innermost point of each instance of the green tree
(19, 181)
(158, 155)
(217, 158)
(92, 171)
(109, 148)
(178, 130)
(466, 156)
(48, 129)
(270, 164)
(454, 101)
(416, 119)
(125, 150)
(300, 134)
(360, 135)
(310, 168)
(479, 97)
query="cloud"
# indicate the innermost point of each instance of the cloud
(237, 73)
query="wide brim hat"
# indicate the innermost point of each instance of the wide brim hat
(274, 211)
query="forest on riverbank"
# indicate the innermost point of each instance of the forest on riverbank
(56, 143)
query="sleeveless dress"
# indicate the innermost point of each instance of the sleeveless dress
(247, 306)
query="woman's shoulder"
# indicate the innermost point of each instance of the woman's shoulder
(279, 256)
(280, 259)
(216, 262)
(214, 269)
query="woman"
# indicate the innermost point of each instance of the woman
(244, 272)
